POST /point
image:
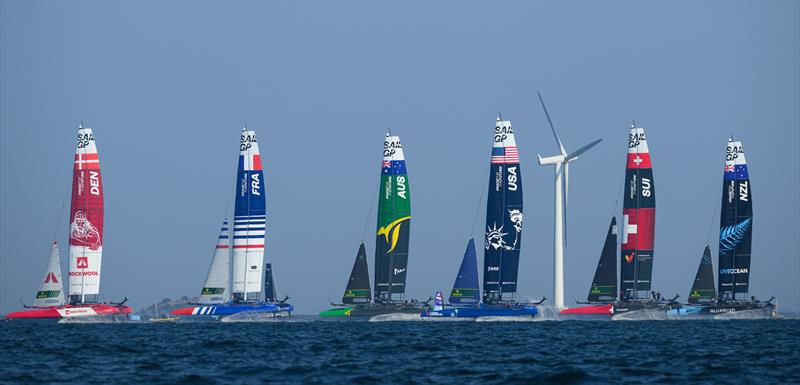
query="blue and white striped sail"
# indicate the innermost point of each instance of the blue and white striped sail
(465, 288)
(215, 289)
(249, 222)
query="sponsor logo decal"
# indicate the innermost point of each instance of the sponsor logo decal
(247, 141)
(51, 277)
(733, 271)
(398, 271)
(635, 139)
(83, 233)
(83, 262)
(85, 139)
(629, 257)
(501, 133)
(393, 230)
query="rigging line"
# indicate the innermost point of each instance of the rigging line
(371, 206)
(60, 215)
(711, 223)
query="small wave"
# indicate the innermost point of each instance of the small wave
(396, 317)
(522, 318)
(641, 315)
(97, 319)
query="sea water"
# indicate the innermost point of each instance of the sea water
(311, 350)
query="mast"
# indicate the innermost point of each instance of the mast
(249, 222)
(86, 221)
(638, 220)
(358, 288)
(735, 226)
(503, 218)
(394, 224)
(604, 283)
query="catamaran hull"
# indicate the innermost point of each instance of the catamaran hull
(371, 311)
(230, 309)
(595, 310)
(477, 312)
(642, 310)
(743, 310)
(72, 311)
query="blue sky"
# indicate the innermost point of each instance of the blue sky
(167, 86)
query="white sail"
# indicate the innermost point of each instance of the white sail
(86, 221)
(51, 292)
(249, 222)
(215, 290)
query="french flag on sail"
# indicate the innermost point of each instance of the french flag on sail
(502, 155)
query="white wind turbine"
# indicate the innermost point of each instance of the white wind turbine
(561, 163)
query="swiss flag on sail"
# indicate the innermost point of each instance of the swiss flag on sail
(638, 229)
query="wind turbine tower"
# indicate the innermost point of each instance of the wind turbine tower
(561, 163)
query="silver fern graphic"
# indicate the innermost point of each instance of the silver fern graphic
(730, 236)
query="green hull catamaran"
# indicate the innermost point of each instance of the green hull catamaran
(391, 247)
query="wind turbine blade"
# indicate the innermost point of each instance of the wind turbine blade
(582, 150)
(560, 146)
(566, 200)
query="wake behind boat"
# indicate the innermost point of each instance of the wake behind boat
(85, 247)
(251, 291)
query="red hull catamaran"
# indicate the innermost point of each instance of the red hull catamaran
(85, 246)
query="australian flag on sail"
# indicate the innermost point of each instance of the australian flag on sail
(393, 167)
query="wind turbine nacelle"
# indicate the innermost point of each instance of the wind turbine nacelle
(550, 159)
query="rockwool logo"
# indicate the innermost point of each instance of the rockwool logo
(83, 262)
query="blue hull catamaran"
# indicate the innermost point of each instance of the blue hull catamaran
(502, 243)
(253, 285)
(735, 245)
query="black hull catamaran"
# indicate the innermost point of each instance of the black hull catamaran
(391, 247)
(735, 247)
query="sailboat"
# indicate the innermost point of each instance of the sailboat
(638, 231)
(357, 292)
(735, 245)
(249, 229)
(162, 317)
(603, 292)
(85, 246)
(465, 294)
(503, 234)
(391, 244)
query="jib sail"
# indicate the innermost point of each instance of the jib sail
(358, 288)
(51, 292)
(86, 221)
(270, 292)
(465, 288)
(249, 222)
(503, 218)
(638, 220)
(703, 286)
(604, 284)
(394, 224)
(735, 226)
(216, 286)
